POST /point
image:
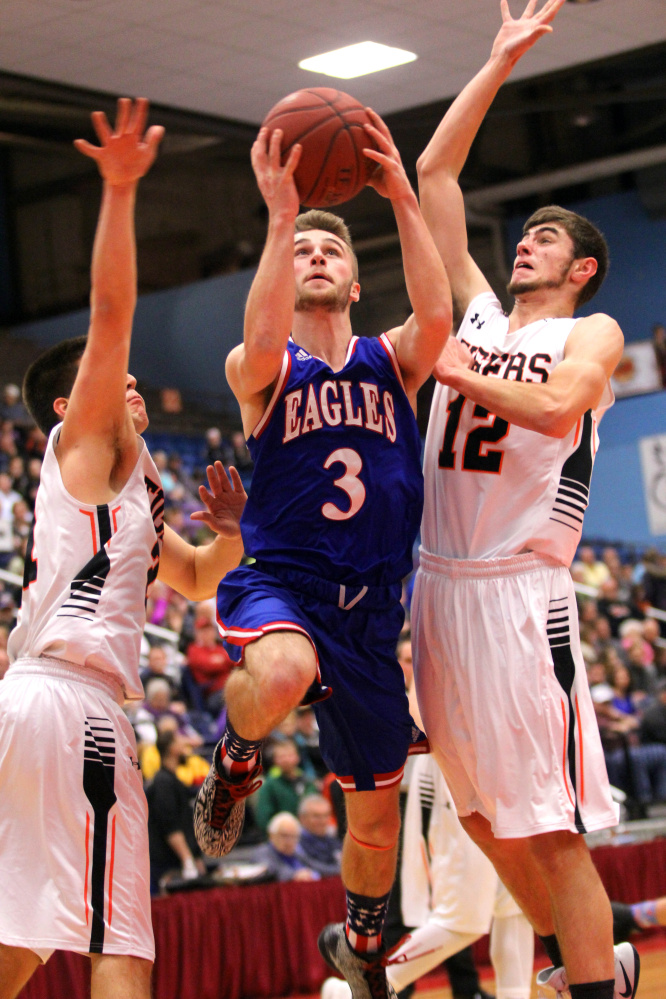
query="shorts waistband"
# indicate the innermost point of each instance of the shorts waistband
(461, 568)
(63, 669)
(343, 595)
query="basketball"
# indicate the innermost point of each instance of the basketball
(329, 125)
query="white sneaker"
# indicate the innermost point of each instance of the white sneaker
(335, 988)
(627, 974)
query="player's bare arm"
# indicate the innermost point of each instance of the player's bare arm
(420, 341)
(441, 163)
(253, 367)
(576, 385)
(195, 572)
(97, 448)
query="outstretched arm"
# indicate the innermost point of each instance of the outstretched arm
(440, 164)
(577, 384)
(255, 364)
(97, 422)
(195, 572)
(420, 341)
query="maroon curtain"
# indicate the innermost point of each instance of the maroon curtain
(258, 941)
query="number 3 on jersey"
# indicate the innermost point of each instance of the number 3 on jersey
(349, 483)
(473, 458)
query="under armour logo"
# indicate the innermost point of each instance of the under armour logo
(478, 322)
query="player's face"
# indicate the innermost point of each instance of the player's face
(323, 272)
(544, 257)
(137, 406)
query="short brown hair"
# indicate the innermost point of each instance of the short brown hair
(52, 377)
(587, 242)
(327, 222)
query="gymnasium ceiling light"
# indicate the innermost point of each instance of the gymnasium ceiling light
(357, 60)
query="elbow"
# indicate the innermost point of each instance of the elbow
(556, 421)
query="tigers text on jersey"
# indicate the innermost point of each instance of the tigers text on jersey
(87, 571)
(493, 489)
(337, 489)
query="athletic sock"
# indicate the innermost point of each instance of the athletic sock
(645, 913)
(235, 755)
(593, 990)
(365, 919)
(552, 950)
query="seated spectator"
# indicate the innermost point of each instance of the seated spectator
(8, 497)
(622, 689)
(158, 703)
(319, 842)
(653, 723)
(638, 770)
(282, 854)
(192, 772)
(216, 448)
(615, 609)
(158, 666)
(592, 572)
(12, 408)
(306, 737)
(172, 844)
(209, 663)
(284, 786)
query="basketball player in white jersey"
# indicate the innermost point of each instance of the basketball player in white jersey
(511, 441)
(74, 871)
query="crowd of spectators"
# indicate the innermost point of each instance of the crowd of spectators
(185, 668)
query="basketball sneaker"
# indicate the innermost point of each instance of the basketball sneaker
(367, 978)
(627, 973)
(219, 809)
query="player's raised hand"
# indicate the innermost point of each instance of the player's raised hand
(517, 35)
(224, 501)
(125, 153)
(454, 357)
(276, 182)
(389, 179)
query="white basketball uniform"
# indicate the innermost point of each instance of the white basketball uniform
(500, 677)
(74, 866)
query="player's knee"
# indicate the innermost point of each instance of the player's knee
(556, 853)
(379, 831)
(287, 674)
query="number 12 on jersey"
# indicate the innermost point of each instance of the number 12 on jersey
(476, 456)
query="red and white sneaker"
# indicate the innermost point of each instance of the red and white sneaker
(219, 809)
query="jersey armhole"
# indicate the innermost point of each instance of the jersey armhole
(277, 391)
(478, 303)
(393, 358)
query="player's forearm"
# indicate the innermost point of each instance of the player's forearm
(542, 408)
(113, 270)
(270, 304)
(426, 281)
(211, 563)
(450, 145)
(178, 844)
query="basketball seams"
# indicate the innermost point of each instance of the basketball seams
(335, 169)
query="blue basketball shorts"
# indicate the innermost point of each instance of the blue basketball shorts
(365, 729)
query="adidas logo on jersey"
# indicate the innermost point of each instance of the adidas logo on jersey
(303, 355)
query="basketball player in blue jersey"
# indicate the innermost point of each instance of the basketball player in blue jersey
(74, 865)
(335, 507)
(511, 440)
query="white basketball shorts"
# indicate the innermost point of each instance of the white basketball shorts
(74, 868)
(445, 878)
(503, 694)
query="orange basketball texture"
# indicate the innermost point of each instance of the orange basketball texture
(329, 125)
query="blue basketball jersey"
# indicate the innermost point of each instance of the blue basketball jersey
(337, 489)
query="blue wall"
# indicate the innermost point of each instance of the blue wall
(181, 336)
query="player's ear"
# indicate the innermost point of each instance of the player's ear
(60, 406)
(355, 292)
(583, 269)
